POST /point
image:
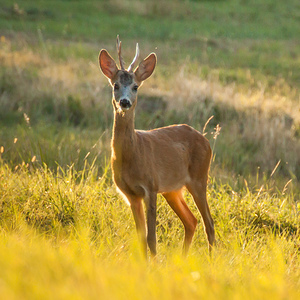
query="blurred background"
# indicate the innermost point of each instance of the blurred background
(235, 60)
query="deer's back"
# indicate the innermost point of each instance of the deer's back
(175, 138)
(173, 154)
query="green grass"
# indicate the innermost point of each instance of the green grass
(69, 235)
(261, 36)
(64, 231)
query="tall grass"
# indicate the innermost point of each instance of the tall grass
(68, 234)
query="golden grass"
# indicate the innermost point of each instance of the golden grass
(70, 236)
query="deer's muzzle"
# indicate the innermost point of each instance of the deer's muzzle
(125, 104)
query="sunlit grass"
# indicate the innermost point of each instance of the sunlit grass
(34, 268)
(69, 235)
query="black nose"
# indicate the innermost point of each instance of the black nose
(124, 103)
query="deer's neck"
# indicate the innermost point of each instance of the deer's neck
(124, 136)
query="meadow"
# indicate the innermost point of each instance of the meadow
(231, 69)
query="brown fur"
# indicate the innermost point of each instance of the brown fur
(162, 160)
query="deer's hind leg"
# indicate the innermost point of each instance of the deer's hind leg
(198, 191)
(177, 203)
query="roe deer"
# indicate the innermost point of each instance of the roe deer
(163, 160)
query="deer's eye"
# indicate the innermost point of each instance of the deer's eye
(135, 88)
(116, 86)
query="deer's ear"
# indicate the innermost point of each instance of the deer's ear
(146, 67)
(107, 64)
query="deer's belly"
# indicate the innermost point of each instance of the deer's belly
(169, 186)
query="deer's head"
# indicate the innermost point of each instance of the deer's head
(125, 83)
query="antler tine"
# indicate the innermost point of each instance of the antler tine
(119, 43)
(137, 52)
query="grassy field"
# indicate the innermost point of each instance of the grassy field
(65, 232)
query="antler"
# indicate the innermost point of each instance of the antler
(137, 52)
(119, 53)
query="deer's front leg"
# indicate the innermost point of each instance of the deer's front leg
(139, 218)
(150, 202)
